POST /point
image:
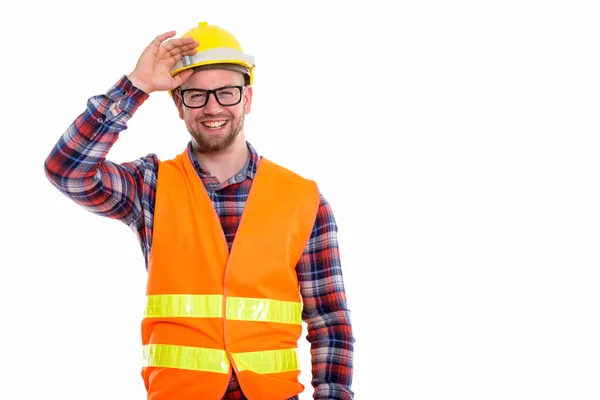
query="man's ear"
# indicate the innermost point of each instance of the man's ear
(247, 99)
(178, 102)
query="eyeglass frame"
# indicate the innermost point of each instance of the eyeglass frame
(214, 92)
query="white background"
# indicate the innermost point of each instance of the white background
(456, 141)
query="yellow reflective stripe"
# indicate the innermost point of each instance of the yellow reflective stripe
(247, 309)
(184, 357)
(184, 305)
(238, 308)
(267, 362)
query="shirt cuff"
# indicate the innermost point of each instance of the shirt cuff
(127, 95)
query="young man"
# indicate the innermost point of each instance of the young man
(239, 251)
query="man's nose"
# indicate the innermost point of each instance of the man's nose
(212, 105)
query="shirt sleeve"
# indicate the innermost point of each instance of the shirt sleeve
(77, 164)
(325, 310)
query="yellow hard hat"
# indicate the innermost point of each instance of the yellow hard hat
(215, 46)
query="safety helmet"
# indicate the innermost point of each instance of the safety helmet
(215, 46)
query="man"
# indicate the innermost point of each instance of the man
(239, 251)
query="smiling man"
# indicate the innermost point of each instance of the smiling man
(226, 295)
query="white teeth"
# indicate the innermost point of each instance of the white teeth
(214, 124)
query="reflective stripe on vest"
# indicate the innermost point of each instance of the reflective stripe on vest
(185, 357)
(209, 306)
(214, 360)
(268, 361)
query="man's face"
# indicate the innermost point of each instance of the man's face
(214, 127)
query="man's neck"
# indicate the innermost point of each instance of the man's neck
(226, 163)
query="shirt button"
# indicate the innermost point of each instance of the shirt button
(240, 176)
(100, 120)
(125, 92)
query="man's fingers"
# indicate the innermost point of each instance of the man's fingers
(182, 76)
(183, 52)
(180, 45)
(176, 56)
(158, 40)
(162, 37)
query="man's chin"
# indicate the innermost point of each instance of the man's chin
(213, 144)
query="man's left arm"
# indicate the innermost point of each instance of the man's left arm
(325, 310)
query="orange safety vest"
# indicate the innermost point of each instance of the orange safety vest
(210, 309)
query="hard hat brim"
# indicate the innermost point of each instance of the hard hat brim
(214, 56)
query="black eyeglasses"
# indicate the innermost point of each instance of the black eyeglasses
(226, 96)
